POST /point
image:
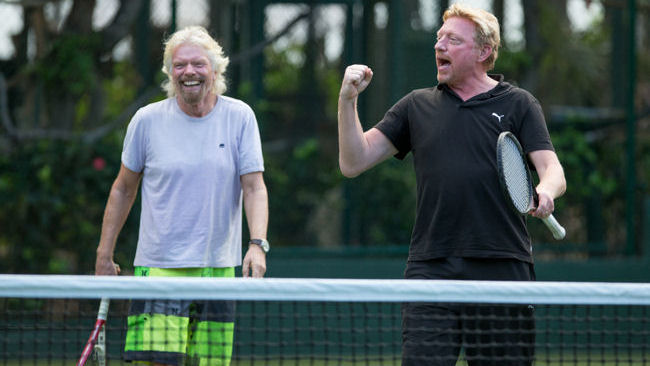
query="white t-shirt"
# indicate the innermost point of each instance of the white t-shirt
(191, 190)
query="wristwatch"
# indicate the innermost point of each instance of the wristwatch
(263, 243)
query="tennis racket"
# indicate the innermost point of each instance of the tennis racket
(97, 340)
(517, 183)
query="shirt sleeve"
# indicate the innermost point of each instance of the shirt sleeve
(133, 151)
(395, 126)
(533, 132)
(250, 147)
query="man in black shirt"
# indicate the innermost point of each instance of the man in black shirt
(463, 227)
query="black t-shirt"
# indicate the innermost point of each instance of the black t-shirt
(461, 210)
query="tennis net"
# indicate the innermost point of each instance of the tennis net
(46, 320)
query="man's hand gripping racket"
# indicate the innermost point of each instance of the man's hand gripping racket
(96, 342)
(517, 183)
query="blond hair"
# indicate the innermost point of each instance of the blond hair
(487, 28)
(198, 36)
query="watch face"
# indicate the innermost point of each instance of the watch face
(264, 244)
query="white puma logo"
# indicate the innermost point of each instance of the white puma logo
(498, 116)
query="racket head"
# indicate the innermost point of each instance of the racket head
(514, 174)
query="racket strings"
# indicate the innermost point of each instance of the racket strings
(516, 176)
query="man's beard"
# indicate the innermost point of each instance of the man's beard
(192, 97)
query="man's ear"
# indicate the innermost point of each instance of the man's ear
(486, 51)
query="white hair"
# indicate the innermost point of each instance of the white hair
(197, 36)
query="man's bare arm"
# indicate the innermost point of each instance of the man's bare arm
(120, 200)
(552, 183)
(257, 215)
(358, 151)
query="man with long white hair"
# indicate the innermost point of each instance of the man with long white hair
(198, 154)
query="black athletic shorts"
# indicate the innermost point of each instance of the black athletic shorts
(434, 334)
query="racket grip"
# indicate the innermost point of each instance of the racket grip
(556, 229)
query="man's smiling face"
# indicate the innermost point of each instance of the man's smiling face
(192, 74)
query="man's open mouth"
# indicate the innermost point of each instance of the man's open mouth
(442, 62)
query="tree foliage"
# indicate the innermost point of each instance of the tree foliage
(52, 195)
(68, 105)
